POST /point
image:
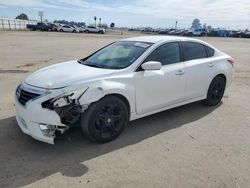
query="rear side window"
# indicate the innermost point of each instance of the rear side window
(166, 54)
(192, 50)
(210, 51)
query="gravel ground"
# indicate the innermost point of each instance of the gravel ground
(189, 146)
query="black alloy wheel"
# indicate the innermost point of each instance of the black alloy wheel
(105, 120)
(215, 91)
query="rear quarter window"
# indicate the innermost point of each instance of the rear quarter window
(193, 50)
(210, 51)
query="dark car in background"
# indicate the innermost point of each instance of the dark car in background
(237, 34)
(39, 26)
(212, 33)
(42, 27)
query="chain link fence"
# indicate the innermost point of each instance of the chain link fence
(15, 24)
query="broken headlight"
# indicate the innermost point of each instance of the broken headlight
(65, 99)
(68, 98)
(67, 106)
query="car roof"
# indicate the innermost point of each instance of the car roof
(157, 39)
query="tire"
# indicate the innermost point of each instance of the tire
(87, 31)
(74, 31)
(61, 30)
(215, 91)
(105, 120)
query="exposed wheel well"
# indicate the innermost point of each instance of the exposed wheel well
(222, 76)
(124, 99)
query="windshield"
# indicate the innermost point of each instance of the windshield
(118, 55)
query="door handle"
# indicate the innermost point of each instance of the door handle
(180, 72)
(210, 64)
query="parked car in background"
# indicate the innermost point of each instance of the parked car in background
(39, 26)
(212, 33)
(199, 32)
(238, 34)
(180, 32)
(171, 32)
(223, 33)
(53, 27)
(82, 28)
(94, 29)
(124, 81)
(188, 33)
(67, 28)
(163, 32)
(148, 30)
(247, 34)
(78, 29)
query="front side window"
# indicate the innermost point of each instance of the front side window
(118, 55)
(166, 54)
(192, 50)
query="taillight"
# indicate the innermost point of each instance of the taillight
(231, 61)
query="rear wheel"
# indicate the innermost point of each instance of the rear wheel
(215, 91)
(105, 120)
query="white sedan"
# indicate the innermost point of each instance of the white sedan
(67, 28)
(123, 81)
(94, 29)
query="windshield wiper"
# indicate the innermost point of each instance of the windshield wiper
(93, 65)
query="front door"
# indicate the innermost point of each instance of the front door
(156, 89)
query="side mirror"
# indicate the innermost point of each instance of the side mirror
(151, 65)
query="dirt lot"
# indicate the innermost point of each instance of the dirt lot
(190, 146)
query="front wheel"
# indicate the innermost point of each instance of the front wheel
(215, 91)
(105, 120)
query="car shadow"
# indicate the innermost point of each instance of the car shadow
(24, 160)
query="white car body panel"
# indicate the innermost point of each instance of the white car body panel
(66, 28)
(92, 29)
(150, 83)
(60, 75)
(143, 90)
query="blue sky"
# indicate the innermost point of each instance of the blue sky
(234, 14)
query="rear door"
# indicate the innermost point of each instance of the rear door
(199, 68)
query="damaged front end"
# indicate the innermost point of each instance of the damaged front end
(69, 109)
(44, 113)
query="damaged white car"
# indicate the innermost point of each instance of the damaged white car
(123, 81)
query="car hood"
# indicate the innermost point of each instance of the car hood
(65, 74)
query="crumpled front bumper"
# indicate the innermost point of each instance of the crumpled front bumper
(31, 116)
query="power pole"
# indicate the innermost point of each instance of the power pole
(40, 13)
